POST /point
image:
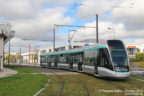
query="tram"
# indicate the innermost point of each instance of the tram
(107, 58)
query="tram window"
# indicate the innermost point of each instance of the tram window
(89, 57)
(63, 58)
(43, 59)
(118, 53)
(79, 57)
(54, 58)
(76, 57)
(49, 58)
(105, 59)
(70, 58)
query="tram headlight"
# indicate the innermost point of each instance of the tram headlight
(117, 69)
(121, 69)
(125, 69)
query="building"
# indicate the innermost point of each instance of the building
(29, 58)
(5, 35)
(133, 48)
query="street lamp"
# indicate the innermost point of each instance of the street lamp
(113, 31)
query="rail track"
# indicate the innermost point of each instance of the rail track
(62, 83)
(84, 85)
(53, 71)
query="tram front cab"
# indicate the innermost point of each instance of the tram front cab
(117, 61)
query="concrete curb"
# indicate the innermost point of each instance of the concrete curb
(7, 72)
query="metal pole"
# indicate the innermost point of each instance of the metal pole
(54, 40)
(97, 29)
(29, 51)
(9, 54)
(114, 34)
(20, 55)
(3, 53)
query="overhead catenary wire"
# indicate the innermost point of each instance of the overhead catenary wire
(115, 5)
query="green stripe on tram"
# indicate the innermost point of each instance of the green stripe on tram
(95, 48)
(76, 51)
(122, 72)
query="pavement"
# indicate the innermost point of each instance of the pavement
(7, 72)
(138, 71)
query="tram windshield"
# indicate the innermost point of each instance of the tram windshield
(118, 53)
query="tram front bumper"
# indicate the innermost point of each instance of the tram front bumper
(104, 72)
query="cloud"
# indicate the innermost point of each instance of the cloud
(34, 19)
(25, 9)
(118, 31)
(17, 43)
(41, 26)
(31, 20)
(125, 16)
(89, 8)
(60, 2)
(131, 14)
(16, 9)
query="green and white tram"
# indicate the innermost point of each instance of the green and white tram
(104, 59)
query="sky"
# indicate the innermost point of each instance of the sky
(35, 20)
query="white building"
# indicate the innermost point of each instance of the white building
(5, 35)
(29, 58)
(133, 48)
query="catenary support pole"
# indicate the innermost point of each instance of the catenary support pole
(29, 51)
(20, 55)
(9, 54)
(54, 40)
(97, 39)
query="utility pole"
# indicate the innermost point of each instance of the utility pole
(54, 39)
(3, 52)
(9, 54)
(20, 55)
(97, 39)
(29, 51)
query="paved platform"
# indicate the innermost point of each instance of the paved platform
(7, 72)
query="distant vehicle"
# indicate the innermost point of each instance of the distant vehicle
(105, 59)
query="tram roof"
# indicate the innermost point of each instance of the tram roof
(101, 44)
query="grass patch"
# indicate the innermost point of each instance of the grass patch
(22, 84)
(74, 88)
(22, 70)
(96, 85)
(137, 76)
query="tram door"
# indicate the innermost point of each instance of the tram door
(103, 60)
(97, 60)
